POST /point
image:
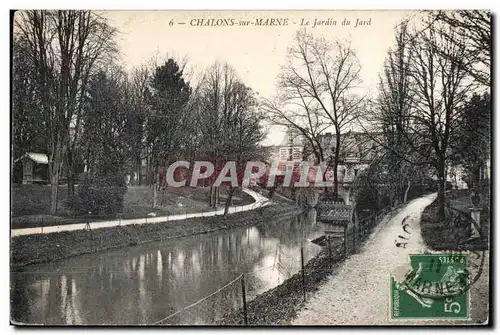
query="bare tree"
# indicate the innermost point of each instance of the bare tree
(230, 122)
(138, 87)
(242, 131)
(65, 48)
(308, 121)
(391, 116)
(319, 79)
(472, 30)
(440, 85)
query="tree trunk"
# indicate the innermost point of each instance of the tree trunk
(324, 178)
(335, 178)
(405, 199)
(441, 189)
(210, 204)
(71, 183)
(228, 201)
(335, 165)
(70, 174)
(139, 174)
(54, 182)
(155, 195)
(54, 193)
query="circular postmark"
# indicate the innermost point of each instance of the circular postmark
(445, 274)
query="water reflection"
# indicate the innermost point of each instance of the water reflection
(143, 284)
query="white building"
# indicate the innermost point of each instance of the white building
(290, 149)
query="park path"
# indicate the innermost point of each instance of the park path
(358, 293)
(260, 201)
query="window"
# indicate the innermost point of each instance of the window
(296, 153)
(283, 154)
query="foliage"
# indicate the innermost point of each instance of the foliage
(64, 48)
(473, 137)
(104, 123)
(167, 96)
(27, 124)
(370, 191)
(101, 195)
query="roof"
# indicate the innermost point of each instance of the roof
(292, 137)
(336, 212)
(35, 157)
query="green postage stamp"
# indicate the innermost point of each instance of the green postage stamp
(435, 287)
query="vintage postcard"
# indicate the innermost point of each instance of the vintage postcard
(250, 168)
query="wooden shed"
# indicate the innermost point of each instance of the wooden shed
(35, 168)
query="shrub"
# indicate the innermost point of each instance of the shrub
(101, 195)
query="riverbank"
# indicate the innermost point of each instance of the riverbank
(453, 233)
(359, 292)
(31, 205)
(281, 304)
(34, 249)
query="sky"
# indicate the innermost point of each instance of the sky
(256, 52)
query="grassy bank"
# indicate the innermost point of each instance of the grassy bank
(38, 248)
(279, 305)
(453, 232)
(31, 204)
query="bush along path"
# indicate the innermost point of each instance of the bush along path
(359, 292)
(260, 201)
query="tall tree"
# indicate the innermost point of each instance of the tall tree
(216, 87)
(168, 98)
(439, 73)
(28, 128)
(404, 155)
(320, 77)
(230, 122)
(65, 47)
(472, 140)
(104, 142)
(242, 132)
(105, 123)
(472, 31)
(137, 92)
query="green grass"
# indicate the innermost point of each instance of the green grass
(38, 248)
(453, 232)
(30, 204)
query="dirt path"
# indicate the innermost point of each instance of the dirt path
(358, 294)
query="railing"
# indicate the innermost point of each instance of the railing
(353, 235)
(89, 222)
(233, 303)
(233, 297)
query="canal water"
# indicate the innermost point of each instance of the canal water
(147, 283)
